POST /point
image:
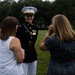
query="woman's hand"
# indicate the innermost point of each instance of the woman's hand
(50, 30)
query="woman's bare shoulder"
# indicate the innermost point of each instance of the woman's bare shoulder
(15, 42)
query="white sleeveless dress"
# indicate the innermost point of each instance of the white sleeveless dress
(8, 64)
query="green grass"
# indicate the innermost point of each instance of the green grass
(43, 56)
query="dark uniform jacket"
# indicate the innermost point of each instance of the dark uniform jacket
(28, 35)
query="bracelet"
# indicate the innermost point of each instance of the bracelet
(47, 35)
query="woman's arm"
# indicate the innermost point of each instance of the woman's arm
(15, 46)
(42, 45)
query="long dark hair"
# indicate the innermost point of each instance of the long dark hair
(8, 27)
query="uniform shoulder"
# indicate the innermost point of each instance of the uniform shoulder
(35, 25)
(20, 26)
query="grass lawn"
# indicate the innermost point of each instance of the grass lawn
(43, 56)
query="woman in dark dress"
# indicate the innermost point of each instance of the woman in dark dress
(60, 41)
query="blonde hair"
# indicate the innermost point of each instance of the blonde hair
(63, 28)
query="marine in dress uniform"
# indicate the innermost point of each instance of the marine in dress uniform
(27, 33)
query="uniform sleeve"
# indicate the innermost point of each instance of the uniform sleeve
(37, 34)
(19, 33)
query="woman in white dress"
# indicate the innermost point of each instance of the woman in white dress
(11, 53)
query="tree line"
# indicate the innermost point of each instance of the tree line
(46, 10)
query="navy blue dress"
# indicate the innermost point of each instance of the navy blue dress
(62, 61)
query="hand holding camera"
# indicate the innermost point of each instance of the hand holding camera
(50, 30)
